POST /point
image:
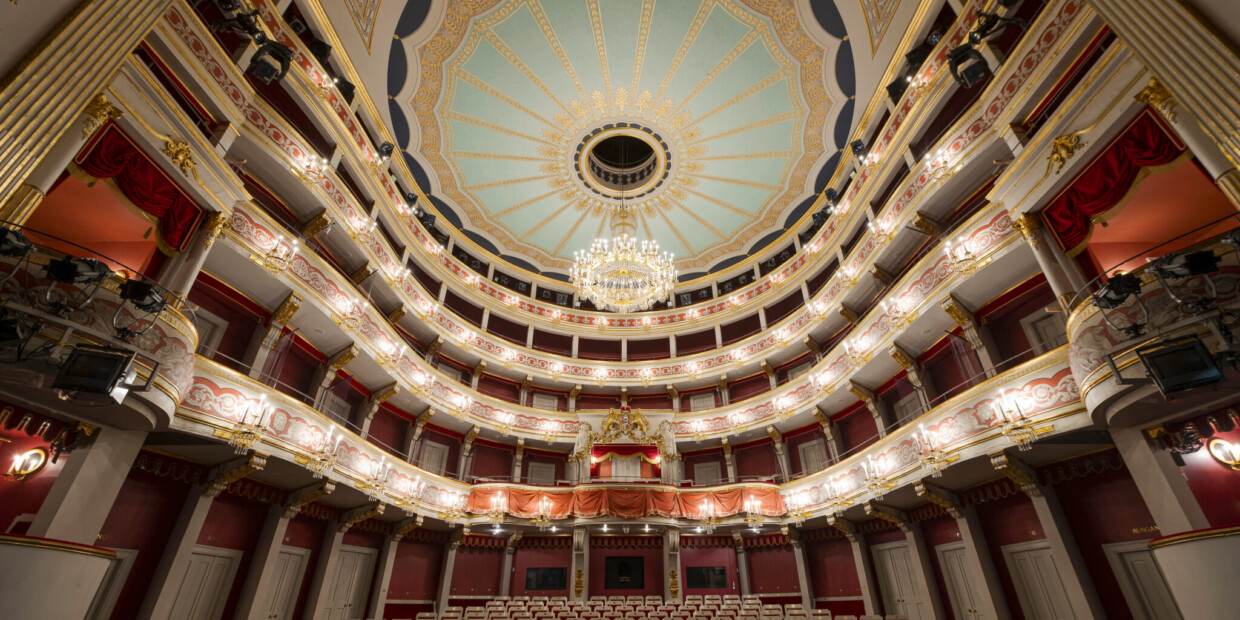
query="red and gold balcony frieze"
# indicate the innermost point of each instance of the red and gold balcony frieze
(219, 399)
(624, 500)
(919, 290)
(987, 233)
(1042, 391)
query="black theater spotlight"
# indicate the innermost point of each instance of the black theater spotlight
(144, 296)
(967, 66)
(14, 243)
(272, 61)
(81, 271)
(1114, 293)
(1178, 266)
(858, 148)
(386, 149)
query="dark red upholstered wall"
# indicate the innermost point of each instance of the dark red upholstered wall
(416, 572)
(388, 429)
(1102, 509)
(234, 522)
(539, 557)
(772, 570)
(141, 519)
(18, 497)
(306, 533)
(653, 565)
(491, 461)
(1009, 521)
(940, 530)
(1216, 487)
(476, 571)
(709, 556)
(756, 461)
(857, 430)
(833, 576)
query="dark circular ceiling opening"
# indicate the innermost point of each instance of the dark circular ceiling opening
(623, 152)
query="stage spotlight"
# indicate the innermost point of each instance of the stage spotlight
(1117, 290)
(858, 148)
(77, 270)
(14, 243)
(386, 149)
(1185, 265)
(968, 66)
(144, 296)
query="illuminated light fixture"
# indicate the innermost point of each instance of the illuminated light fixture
(375, 486)
(600, 375)
(250, 427)
(27, 464)
(312, 170)
(542, 518)
(391, 360)
(856, 356)
(1225, 452)
(896, 312)
(836, 500)
(280, 255)
(621, 274)
(1118, 288)
(798, 507)
(1015, 425)
(875, 482)
(961, 257)
(784, 406)
(933, 457)
(646, 375)
(709, 517)
(880, 234)
(326, 87)
(753, 513)
(460, 405)
(696, 427)
(556, 368)
(820, 383)
(323, 458)
(498, 505)
(505, 422)
(466, 338)
(353, 313)
(508, 356)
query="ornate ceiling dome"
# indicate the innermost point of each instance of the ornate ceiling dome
(722, 108)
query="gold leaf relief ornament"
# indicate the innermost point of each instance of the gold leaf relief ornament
(99, 111)
(1156, 95)
(181, 155)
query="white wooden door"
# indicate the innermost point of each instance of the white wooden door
(813, 456)
(112, 585)
(893, 562)
(350, 583)
(204, 586)
(962, 584)
(1141, 581)
(290, 570)
(1039, 587)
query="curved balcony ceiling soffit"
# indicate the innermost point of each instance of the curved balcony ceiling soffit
(741, 100)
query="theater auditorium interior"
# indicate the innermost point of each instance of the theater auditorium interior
(619, 309)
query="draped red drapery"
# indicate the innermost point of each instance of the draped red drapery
(598, 454)
(1104, 184)
(625, 502)
(112, 155)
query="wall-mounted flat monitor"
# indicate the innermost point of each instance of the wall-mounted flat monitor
(624, 573)
(706, 577)
(553, 578)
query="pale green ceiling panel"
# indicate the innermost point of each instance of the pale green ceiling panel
(747, 198)
(621, 19)
(773, 137)
(668, 29)
(719, 35)
(570, 21)
(469, 136)
(491, 68)
(748, 71)
(522, 34)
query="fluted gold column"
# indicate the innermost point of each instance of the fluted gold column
(42, 96)
(1200, 70)
(21, 203)
(1225, 175)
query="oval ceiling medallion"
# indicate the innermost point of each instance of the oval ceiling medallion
(551, 112)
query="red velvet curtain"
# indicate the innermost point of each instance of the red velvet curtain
(600, 453)
(1144, 144)
(112, 155)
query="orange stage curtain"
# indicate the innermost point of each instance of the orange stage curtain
(625, 503)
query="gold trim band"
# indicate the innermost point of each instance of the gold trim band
(1194, 536)
(57, 545)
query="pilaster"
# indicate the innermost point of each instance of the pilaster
(862, 561)
(82, 495)
(742, 562)
(1161, 483)
(980, 565)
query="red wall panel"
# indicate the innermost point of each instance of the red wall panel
(416, 572)
(833, 575)
(539, 557)
(756, 461)
(306, 533)
(475, 571)
(359, 538)
(709, 556)
(793, 447)
(940, 530)
(1008, 521)
(857, 430)
(1216, 486)
(1102, 509)
(234, 522)
(491, 462)
(772, 570)
(142, 518)
(387, 430)
(18, 497)
(652, 567)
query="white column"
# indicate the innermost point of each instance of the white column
(865, 568)
(671, 562)
(729, 462)
(445, 584)
(261, 577)
(798, 552)
(505, 570)
(1079, 586)
(329, 551)
(742, 562)
(82, 495)
(162, 591)
(1161, 483)
(923, 571)
(981, 565)
(579, 569)
(379, 589)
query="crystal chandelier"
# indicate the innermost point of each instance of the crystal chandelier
(622, 274)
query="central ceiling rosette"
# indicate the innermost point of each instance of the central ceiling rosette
(538, 90)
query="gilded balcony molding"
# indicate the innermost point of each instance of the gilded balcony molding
(549, 313)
